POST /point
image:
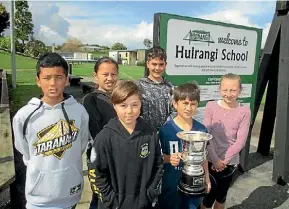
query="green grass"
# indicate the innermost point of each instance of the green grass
(125, 72)
(26, 73)
(100, 53)
(26, 88)
(21, 61)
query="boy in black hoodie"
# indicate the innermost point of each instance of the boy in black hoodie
(126, 164)
(98, 104)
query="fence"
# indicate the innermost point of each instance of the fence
(7, 167)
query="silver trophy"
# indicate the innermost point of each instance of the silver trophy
(194, 153)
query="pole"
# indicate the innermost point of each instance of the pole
(13, 67)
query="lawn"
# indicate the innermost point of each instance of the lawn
(125, 72)
(25, 76)
(100, 53)
(21, 61)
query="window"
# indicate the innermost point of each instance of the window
(126, 54)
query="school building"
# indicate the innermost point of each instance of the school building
(128, 57)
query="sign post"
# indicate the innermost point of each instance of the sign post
(204, 50)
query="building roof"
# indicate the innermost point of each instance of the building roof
(125, 50)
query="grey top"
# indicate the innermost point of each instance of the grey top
(156, 101)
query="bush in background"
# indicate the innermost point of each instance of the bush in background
(142, 63)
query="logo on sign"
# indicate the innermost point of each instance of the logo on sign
(199, 36)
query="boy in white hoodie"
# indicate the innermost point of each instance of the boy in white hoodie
(52, 133)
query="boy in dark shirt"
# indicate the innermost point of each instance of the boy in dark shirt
(186, 98)
(126, 164)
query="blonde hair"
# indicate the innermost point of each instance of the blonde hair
(124, 90)
(232, 76)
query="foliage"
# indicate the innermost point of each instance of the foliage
(4, 19)
(105, 47)
(142, 63)
(5, 43)
(23, 22)
(72, 45)
(118, 46)
(148, 43)
(35, 48)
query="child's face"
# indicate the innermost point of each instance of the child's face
(129, 110)
(156, 67)
(106, 76)
(230, 90)
(52, 81)
(186, 108)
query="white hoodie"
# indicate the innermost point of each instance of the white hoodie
(54, 177)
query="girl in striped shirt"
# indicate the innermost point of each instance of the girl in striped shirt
(228, 121)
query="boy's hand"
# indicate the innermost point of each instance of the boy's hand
(173, 159)
(219, 166)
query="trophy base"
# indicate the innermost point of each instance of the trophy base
(192, 185)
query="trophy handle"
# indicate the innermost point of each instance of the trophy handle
(206, 153)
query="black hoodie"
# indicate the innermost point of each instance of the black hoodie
(99, 109)
(125, 169)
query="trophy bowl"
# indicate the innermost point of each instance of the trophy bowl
(193, 155)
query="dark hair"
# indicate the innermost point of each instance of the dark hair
(104, 60)
(232, 76)
(124, 90)
(187, 90)
(156, 52)
(51, 60)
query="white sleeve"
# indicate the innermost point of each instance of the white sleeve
(21, 143)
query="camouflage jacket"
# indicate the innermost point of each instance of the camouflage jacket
(156, 101)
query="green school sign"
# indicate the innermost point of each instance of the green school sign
(204, 50)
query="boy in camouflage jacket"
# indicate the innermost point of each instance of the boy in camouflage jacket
(156, 90)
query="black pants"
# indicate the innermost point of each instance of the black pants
(220, 182)
(100, 206)
(94, 202)
(73, 207)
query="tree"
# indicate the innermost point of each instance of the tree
(5, 43)
(104, 47)
(72, 45)
(23, 22)
(58, 48)
(148, 43)
(4, 19)
(118, 46)
(35, 48)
